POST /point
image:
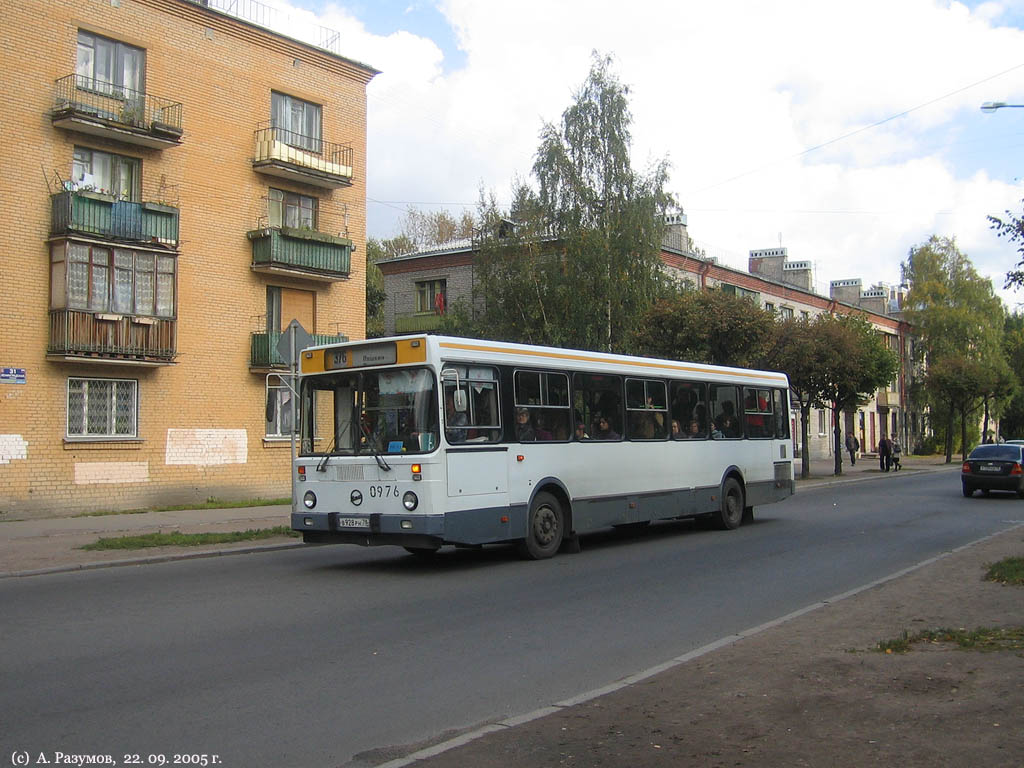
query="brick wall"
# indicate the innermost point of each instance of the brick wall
(201, 420)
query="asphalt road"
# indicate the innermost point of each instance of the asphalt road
(328, 656)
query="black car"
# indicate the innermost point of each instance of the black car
(994, 467)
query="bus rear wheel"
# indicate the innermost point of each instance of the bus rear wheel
(730, 515)
(545, 528)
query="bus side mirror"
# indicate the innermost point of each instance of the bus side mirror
(459, 401)
(271, 407)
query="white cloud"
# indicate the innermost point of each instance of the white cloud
(733, 93)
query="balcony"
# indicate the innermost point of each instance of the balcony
(93, 213)
(417, 322)
(107, 338)
(888, 398)
(103, 109)
(263, 348)
(301, 253)
(305, 159)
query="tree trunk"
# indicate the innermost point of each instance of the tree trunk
(950, 424)
(837, 445)
(963, 434)
(805, 458)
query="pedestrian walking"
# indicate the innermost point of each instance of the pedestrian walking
(897, 454)
(884, 454)
(852, 445)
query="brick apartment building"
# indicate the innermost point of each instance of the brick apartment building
(179, 184)
(413, 283)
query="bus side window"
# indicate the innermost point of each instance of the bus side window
(781, 402)
(724, 398)
(598, 402)
(690, 409)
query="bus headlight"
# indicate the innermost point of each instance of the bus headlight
(309, 499)
(409, 501)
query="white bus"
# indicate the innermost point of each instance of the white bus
(426, 441)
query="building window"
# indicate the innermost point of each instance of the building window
(769, 306)
(103, 408)
(297, 122)
(804, 315)
(279, 409)
(92, 278)
(431, 296)
(288, 209)
(115, 175)
(786, 313)
(108, 66)
(821, 423)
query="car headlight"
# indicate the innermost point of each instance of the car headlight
(309, 499)
(409, 501)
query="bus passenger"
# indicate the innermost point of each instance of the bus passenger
(581, 431)
(677, 431)
(604, 430)
(524, 431)
(694, 431)
(540, 429)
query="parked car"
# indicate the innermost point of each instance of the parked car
(994, 467)
(1013, 442)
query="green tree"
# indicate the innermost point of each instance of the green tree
(851, 362)
(959, 321)
(1012, 228)
(375, 294)
(707, 327)
(1011, 423)
(793, 349)
(577, 263)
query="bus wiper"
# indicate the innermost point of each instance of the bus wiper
(381, 462)
(321, 466)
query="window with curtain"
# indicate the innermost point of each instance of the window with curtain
(111, 174)
(109, 67)
(102, 408)
(288, 209)
(297, 122)
(93, 278)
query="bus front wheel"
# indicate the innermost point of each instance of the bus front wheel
(731, 513)
(545, 528)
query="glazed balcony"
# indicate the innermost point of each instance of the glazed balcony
(98, 108)
(301, 253)
(263, 348)
(100, 215)
(305, 159)
(111, 338)
(417, 322)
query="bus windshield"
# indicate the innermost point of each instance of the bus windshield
(369, 412)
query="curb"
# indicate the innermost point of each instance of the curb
(152, 559)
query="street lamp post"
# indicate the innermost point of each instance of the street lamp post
(992, 106)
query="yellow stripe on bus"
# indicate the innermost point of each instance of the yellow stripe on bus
(605, 361)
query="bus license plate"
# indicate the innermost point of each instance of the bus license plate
(353, 522)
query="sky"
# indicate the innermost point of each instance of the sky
(846, 132)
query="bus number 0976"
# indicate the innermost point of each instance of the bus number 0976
(383, 491)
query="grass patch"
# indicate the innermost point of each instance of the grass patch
(1007, 571)
(145, 541)
(210, 503)
(981, 639)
